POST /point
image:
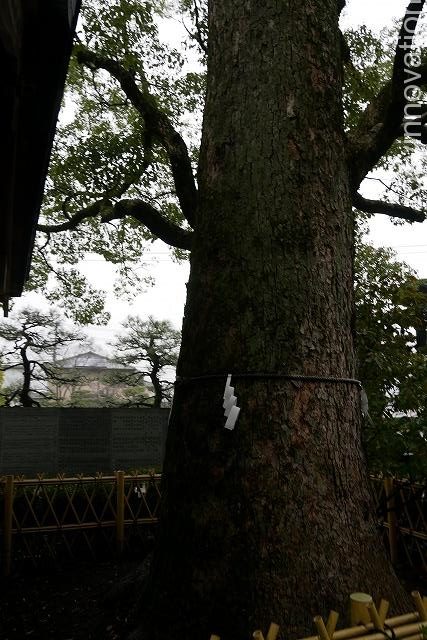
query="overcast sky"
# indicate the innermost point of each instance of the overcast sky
(166, 299)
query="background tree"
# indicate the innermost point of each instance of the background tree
(29, 341)
(153, 346)
(390, 308)
(246, 531)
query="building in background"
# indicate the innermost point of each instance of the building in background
(94, 381)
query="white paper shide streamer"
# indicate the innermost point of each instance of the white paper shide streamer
(231, 410)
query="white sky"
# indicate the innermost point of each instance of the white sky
(166, 299)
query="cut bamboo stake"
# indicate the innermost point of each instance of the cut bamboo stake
(120, 512)
(383, 610)
(321, 629)
(376, 620)
(7, 525)
(257, 635)
(358, 608)
(391, 518)
(331, 624)
(215, 638)
(273, 631)
(421, 608)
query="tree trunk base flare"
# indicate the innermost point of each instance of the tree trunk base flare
(271, 523)
(274, 520)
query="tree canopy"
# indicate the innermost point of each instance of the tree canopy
(123, 169)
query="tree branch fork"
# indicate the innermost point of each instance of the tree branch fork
(380, 125)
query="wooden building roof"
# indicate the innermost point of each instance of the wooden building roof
(35, 45)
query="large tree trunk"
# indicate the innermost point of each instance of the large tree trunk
(274, 520)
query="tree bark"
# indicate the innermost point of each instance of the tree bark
(273, 520)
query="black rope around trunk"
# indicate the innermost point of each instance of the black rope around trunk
(272, 376)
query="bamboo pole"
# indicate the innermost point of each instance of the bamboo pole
(405, 618)
(391, 518)
(7, 525)
(273, 631)
(399, 632)
(257, 635)
(215, 638)
(421, 607)
(120, 512)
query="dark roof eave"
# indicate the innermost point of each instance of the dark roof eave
(37, 60)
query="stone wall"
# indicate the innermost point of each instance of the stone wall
(85, 441)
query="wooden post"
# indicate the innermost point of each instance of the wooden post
(7, 525)
(120, 512)
(391, 518)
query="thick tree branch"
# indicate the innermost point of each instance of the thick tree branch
(381, 123)
(388, 208)
(157, 123)
(87, 212)
(147, 215)
(142, 211)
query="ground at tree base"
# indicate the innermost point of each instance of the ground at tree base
(90, 601)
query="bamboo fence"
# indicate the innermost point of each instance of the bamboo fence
(402, 513)
(371, 623)
(47, 518)
(53, 517)
(409, 626)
